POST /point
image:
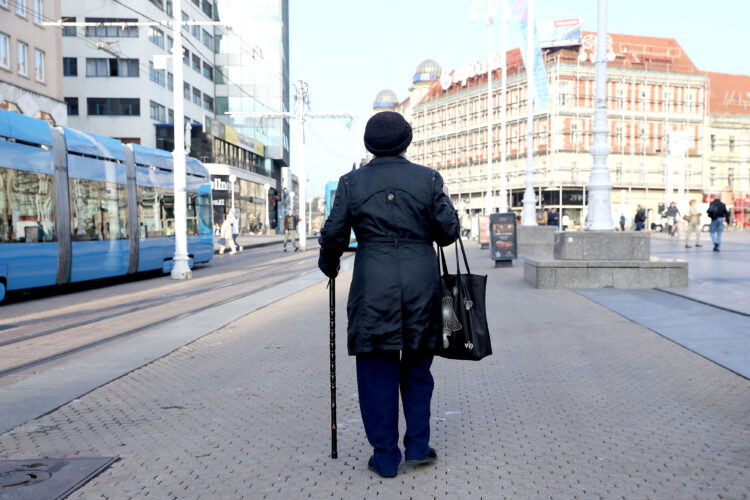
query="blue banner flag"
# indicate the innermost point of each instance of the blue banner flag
(541, 86)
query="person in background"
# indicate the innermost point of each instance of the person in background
(622, 222)
(235, 228)
(465, 225)
(290, 229)
(398, 210)
(693, 219)
(226, 235)
(640, 218)
(565, 221)
(718, 212)
(553, 219)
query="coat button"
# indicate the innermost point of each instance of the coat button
(390, 196)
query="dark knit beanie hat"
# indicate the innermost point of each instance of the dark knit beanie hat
(387, 134)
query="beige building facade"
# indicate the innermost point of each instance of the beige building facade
(659, 124)
(31, 60)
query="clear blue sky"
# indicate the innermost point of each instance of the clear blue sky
(348, 50)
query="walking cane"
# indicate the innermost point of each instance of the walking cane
(332, 312)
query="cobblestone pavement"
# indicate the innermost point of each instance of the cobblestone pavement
(576, 402)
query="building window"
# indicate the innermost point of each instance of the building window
(186, 57)
(70, 66)
(69, 30)
(4, 51)
(730, 177)
(38, 12)
(713, 142)
(208, 102)
(220, 74)
(618, 173)
(23, 58)
(99, 210)
(101, 106)
(72, 103)
(619, 135)
(111, 31)
(208, 71)
(731, 143)
(643, 100)
(691, 104)
(197, 96)
(170, 44)
(208, 9)
(208, 40)
(185, 18)
(196, 63)
(157, 112)
(112, 67)
(21, 7)
(170, 81)
(156, 36)
(170, 116)
(39, 65)
(158, 3)
(196, 31)
(186, 90)
(575, 135)
(4, 3)
(155, 75)
(170, 9)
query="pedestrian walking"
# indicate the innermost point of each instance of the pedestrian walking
(622, 222)
(565, 221)
(226, 235)
(672, 214)
(290, 229)
(235, 221)
(398, 210)
(718, 212)
(693, 219)
(640, 218)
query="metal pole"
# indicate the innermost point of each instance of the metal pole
(529, 205)
(302, 172)
(332, 345)
(488, 202)
(503, 118)
(180, 269)
(600, 188)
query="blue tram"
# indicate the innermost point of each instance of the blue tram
(76, 206)
(330, 196)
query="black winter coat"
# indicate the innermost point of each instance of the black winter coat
(397, 210)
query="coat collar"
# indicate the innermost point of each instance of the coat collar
(387, 159)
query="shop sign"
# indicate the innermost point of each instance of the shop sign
(223, 184)
(503, 236)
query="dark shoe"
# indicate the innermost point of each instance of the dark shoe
(296, 249)
(371, 467)
(688, 246)
(698, 245)
(285, 249)
(430, 458)
(716, 247)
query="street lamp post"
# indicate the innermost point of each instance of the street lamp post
(266, 187)
(232, 180)
(529, 202)
(503, 117)
(600, 187)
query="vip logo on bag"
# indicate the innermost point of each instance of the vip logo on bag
(469, 346)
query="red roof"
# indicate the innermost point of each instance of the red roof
(729, 95)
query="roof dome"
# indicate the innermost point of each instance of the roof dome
(386, 98)
(427, 70)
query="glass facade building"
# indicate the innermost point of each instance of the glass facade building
(252, 72)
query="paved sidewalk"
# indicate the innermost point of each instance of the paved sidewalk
(576, 402)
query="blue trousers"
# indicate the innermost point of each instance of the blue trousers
(716, 227)
(380, 375)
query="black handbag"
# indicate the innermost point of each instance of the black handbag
(465, 332)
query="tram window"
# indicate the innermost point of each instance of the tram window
(192, 214)
(99, 210)
(155, 212)
(27, 204)
(204, 214)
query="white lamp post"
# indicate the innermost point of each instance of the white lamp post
(528, 217)
(232, 180)
(600, 187)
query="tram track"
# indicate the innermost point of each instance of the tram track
(20, 354)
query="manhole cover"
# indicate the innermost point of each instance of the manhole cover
(47, 478)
